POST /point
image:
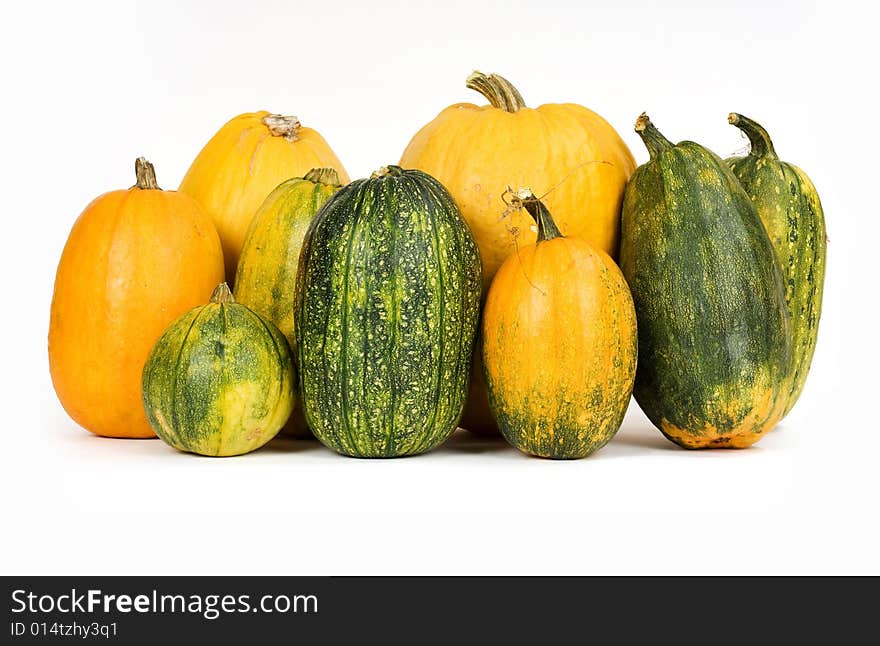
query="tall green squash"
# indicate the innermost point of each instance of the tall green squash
(387, 302)
(266, 277)
(712, 323)
(790, 209)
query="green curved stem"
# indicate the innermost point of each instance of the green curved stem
(762, 145)
(547, 229)
(653, 139)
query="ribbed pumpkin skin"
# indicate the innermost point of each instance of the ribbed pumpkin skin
(477, 152)
(387, 305)
(219, 381)
(135, 260)
(790, 209)
(713, 328)
(266, 278)
(565, 152)
(241, 165)
(559, 348)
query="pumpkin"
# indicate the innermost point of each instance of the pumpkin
(241, 164)
(559, 343)
(266, 278)
(567, 153)
(790, 209)
(219, 381)
(713, 326)
(387, 302)
(135, 260)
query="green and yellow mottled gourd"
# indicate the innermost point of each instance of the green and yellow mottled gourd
(714, 331)
(559, 343)
(790, 209)
(387, 302)
(266, 278)
(219, 381)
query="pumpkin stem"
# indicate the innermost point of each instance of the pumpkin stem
(654, 140)
(283, 126)
(387, 171)
(146, 175)
(762, 145)
(498, 90)
(325, 176)
(524, 198)
(222, 294)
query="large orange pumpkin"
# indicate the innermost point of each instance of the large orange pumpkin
(244, 162)
(135, 260)
(570, 156)
(559, 344)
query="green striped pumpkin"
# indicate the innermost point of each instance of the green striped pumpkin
(266, 278)
(712, 324)
(387, 302)
(790, 209)
(219, 381)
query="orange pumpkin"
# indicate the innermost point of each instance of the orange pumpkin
(569, 155)
(559, 344)
(135, 260)
(244, 162)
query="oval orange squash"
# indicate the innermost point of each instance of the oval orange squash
(241, 164)
(559, 344)
(565, 151)
(135, 260)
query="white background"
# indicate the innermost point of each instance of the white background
(87, 87)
